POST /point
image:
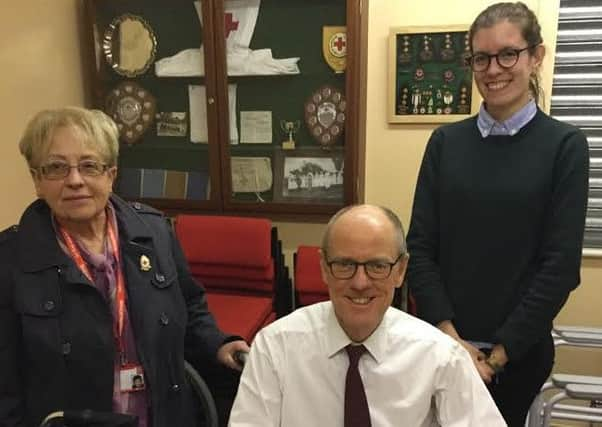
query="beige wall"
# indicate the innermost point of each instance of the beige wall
(40, 62)
(40, 66)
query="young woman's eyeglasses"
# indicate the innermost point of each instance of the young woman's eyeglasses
(60, 170)
(345, 269)
(506, 58)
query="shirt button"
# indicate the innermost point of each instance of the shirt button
(66, 348)
(175, 387)
(164, 319)
(137, 206)
(160, 278)
(49, 305)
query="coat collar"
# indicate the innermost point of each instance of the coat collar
(132, 228)
(37, 244)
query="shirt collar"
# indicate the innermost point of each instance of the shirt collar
(337, 339)
(489, 126)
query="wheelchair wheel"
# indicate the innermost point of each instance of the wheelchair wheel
(208, 412)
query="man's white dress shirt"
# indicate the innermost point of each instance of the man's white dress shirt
(413, 374)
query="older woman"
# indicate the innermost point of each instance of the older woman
(95, 292)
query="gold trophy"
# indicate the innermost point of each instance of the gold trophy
(289, 128)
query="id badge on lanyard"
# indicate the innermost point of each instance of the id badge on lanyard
(131, 375)
(131, 378)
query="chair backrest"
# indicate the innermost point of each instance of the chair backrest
(228, 253)
(309, 286)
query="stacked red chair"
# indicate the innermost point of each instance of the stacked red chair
(238, 261)
(309, 286)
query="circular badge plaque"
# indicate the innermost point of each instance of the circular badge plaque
(325, 115)
(133, 109)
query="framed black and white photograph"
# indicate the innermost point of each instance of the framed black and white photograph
(314, 175)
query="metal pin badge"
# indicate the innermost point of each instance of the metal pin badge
(145, 264)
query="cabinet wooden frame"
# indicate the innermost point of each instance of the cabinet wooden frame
(218, 149)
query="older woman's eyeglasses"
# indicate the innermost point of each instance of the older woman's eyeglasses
(506, 58)
(60, 170)
(345, 268)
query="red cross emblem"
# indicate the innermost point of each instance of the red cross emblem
(230, 24)
(339, 43)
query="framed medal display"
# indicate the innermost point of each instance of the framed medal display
(429, 79)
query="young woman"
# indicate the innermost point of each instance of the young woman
(498, 218)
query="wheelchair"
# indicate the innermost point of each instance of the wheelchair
(204, 405)
(587, 389)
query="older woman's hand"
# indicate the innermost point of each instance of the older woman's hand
(226, 352)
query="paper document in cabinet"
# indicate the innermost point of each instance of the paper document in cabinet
(256, 127)
(251, 174)
(197, 96)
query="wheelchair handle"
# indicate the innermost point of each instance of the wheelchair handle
(241, 357)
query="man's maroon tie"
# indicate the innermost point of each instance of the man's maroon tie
(357, 413)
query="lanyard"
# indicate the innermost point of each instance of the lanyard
(120, 295)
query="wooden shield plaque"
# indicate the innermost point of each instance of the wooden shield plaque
(325, 115)
(133, 109)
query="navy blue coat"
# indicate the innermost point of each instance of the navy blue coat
(56, 339)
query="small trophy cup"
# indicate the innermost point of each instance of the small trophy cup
(289, 128)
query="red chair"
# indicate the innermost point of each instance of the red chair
(309, 286)
(235, 260)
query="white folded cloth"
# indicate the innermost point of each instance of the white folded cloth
(241, 62)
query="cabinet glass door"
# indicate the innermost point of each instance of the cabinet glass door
(286, 104)
(151, 81)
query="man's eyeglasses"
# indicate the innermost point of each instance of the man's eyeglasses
(506, 58)
(345, 268)
(60, 170)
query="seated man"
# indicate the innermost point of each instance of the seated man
(303, 369)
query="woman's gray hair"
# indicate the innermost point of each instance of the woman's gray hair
(517, 13)
(98, 130)
(388, 213)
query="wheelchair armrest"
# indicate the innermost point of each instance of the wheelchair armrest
(587, 338)
(562, 380)
(584, 391)
(562, 329)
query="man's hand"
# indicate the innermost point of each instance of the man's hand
(225, 354)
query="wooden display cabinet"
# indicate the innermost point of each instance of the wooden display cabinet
(213, 133)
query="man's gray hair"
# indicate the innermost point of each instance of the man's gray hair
(389, 214)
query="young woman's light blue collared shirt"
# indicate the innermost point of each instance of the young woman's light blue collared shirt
(489, 126)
